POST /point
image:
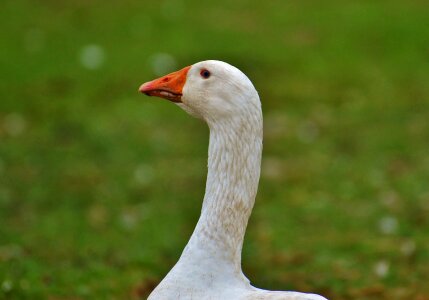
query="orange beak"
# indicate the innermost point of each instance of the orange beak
(168, 87)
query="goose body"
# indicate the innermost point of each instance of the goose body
(210, 265)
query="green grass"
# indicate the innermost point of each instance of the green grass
(100, 187)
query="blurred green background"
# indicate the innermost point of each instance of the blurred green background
(101, 187)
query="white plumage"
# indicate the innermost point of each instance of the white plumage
(210, 265)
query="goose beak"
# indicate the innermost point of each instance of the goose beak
(168, 87)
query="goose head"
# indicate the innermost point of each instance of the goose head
(210, 90)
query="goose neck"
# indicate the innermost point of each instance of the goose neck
(233, 173)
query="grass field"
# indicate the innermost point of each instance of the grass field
(100, 187)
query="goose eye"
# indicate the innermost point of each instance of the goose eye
(205, 73)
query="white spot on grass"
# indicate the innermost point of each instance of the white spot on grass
(382, 268)
(92, 57)
(129, 219)
(143, 174)
(14, 124)
(7, 285)
(388, 225)
(162, 63)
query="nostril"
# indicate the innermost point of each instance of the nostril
(166, 79)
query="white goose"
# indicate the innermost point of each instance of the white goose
(210, 265)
